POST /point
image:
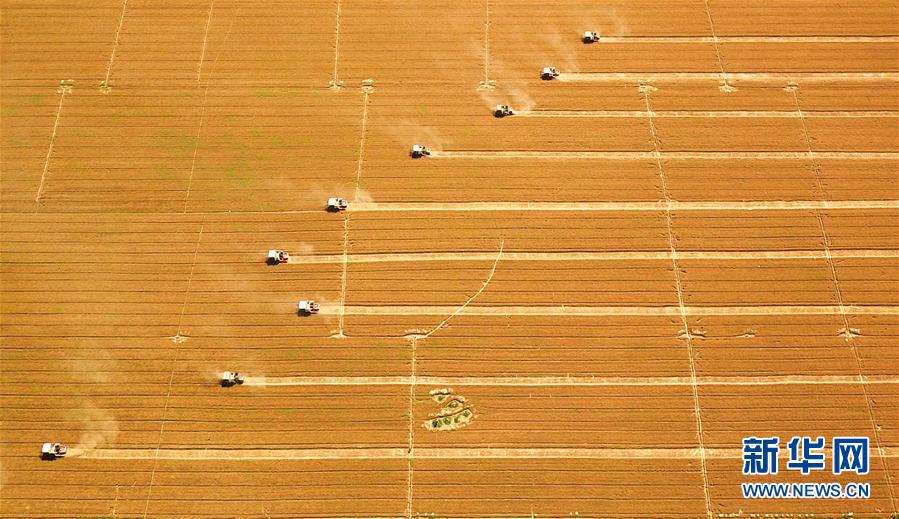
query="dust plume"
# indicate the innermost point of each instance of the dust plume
(99, 428)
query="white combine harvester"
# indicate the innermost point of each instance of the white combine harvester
(502, 111)
(549, 72)
(231, 379)
(419, 151)
(590, 37)
(307, 307)
(276, 257)
(51, 451)
(337, 204)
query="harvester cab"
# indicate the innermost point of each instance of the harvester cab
(307, 307)
(419, 151)
(51, 451)
(230, 378)
(337, 204)
(502, 111)
(276, 257)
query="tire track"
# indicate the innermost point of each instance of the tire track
(571, 381)
(563, 310)
(711, 114)
(749, 39)
(424, 453)
(761, 77)
(590, 256)
(764, 205)
(650, 155)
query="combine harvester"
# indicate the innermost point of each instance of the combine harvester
(335, 205)
(307, 307)
(231, 379)
(590, 37)
(502, 111)
(549, 73)
(419, 151)
(52, 451)
(276, 257)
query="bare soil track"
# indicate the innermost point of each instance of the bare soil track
(688, 238)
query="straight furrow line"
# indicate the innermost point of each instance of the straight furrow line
(646, 91)
(848, 332)
(590, 256)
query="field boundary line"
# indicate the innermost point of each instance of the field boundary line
(646, 92)
(343, 276)
(104, 85)
(487, 83)
(724, 85)
(346, 218)
(335, 80)
(464, 305)
(63, 90)
(205, 40)
(848, 332)
(193, 161)
(168, 393)
(410, 451)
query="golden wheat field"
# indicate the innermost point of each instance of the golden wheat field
(687, 237)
